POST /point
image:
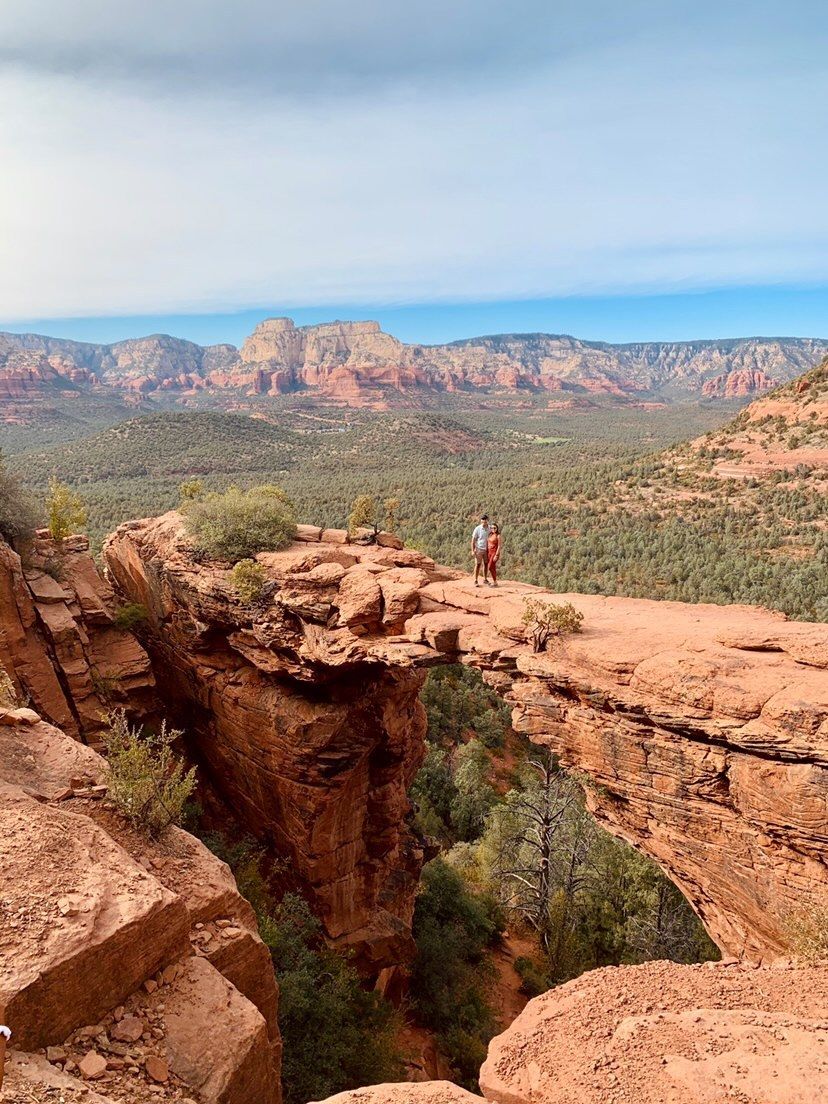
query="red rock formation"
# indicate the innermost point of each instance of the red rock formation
(357, 364)
(112, 939)
(703, 727)
(311, 744)
(59, 641)
(659, 1032)
(737, 384)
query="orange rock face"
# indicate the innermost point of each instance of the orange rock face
(59, 641)
(737, 384)
(663, 1032)
(311, 744)
(703, 727)
(107, 934)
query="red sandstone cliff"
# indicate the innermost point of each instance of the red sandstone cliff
(358, 364)
(59, 641)
(703, 728)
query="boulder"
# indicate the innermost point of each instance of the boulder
(308, 533)
(659, 1032)
(360, 598)
(217, 1040)
(60, 967)
(426, 1092)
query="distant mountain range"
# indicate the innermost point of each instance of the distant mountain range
(356, 363)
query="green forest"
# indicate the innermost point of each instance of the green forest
(586, 499)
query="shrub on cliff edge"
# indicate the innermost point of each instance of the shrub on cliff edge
(237, 524)
(147, 781)
(67, 513)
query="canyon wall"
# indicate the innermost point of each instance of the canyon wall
(700, 730)
(61, 642)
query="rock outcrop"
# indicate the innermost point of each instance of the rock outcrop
(652, 1034)
(356, 363)
(783, 431)
(702, 728)
(135, 962)
(737, 384)
(658, 1032)
(60, 641)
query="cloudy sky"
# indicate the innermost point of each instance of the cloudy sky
(200, 157)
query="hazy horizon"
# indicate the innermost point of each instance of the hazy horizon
(736, 313)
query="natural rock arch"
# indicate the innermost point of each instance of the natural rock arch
(703, 728)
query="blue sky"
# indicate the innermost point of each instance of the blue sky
(735, 312)
(651, 169)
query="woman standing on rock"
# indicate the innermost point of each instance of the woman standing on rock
(493, 549)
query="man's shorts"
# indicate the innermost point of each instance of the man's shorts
(481, 555)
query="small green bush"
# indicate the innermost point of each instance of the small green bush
(533, 980)
(148, 783)
(130, 615)
(191, 489)
(543, 619)
(238, 524)
(67, 513)
(363, 514)
(248, 579)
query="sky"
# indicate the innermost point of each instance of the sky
(623, 171)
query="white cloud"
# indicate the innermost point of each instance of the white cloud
(649, 159)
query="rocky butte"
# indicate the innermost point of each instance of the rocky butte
(356, 363)
(700, 730)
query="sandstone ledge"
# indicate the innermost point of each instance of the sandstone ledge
(702, 727)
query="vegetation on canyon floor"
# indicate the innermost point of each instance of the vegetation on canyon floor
(336, 1035)
(519, 850)
(588, 500)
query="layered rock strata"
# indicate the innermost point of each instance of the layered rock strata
(701, 729)
(356, 363)
(60, 642)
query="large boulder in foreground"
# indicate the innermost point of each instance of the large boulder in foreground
(103, 932)
(85, 925)
(663, 1032)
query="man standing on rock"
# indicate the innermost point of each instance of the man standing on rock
(480, 549)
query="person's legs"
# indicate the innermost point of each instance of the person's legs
(478, 559)
(5, 1034)
(493, 570)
